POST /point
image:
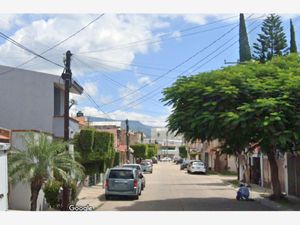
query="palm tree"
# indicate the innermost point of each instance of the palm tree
(42, 160)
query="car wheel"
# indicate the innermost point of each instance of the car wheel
(188, 171)
(136, 197)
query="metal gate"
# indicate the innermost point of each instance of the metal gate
(293, 165)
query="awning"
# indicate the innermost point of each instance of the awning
(4, 137)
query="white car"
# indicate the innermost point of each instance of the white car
(196, 167)
(166, 159)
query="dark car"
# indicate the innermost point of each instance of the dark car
(184, 164)
(154, 160)
(179, 161)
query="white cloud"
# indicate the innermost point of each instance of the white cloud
(122, 115)
(145, 80)
(105, 99)
(90, 88)
(128, 96)
(113, 31)
(7, 21)
(195, 18)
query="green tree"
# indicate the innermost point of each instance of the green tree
(140, 150)
(182, 152)
(293, 45)
(272, 41)
(42, 160)
(242, 106)
(152, 150)
(245, 53)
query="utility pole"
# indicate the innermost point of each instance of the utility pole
(67, 77)
(127, 139)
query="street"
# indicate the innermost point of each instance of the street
(172, 189)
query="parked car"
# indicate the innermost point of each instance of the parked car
(122, 182)
(175, 159)
(196, 166)
(154, 160)
(149, 160)
(166, 159)
(140, 170)
(179, 161)
(147, 166)
(184, 164)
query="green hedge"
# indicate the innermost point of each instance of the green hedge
(152, 150)
(182, 152)
(140, 150)
(117, 159)
(96, 149)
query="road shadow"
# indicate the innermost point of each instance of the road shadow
(195, 204)
(115, 198)
(203, 184)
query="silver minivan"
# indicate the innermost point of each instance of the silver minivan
(122, 182)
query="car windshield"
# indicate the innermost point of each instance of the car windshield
(145, 163)
(198, 163)
(132, 166)
(121, 174)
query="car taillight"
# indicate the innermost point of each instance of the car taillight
(135, 184)
(106, 184)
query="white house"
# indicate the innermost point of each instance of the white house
(32, 102)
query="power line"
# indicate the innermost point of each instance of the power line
(180, 64)
(56, 45)
(112, 80)
(191, 71)
(4, 36)
(159, 36)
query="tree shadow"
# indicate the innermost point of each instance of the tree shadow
(195, 204)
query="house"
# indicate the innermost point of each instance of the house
(32, 102)
(212, 156)
(168, 142)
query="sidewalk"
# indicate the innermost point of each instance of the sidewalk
(261, 194)
(92, 196)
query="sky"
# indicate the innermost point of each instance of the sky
(124, 61)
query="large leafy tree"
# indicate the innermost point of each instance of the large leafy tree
(243, 106)
(245, 53)
(293, 45)
(272, 41)
(42, 160)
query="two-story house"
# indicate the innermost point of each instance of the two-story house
(32, 102)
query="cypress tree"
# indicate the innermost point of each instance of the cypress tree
(245, 53)
(293, 46)
(272, 40)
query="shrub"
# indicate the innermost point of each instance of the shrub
(140, 150)
(86, 140)
(117, 159)
(152, 150)
(182, 152)
(51, 191)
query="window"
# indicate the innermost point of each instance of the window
(121, 174)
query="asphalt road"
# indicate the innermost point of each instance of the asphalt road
(170, 189)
